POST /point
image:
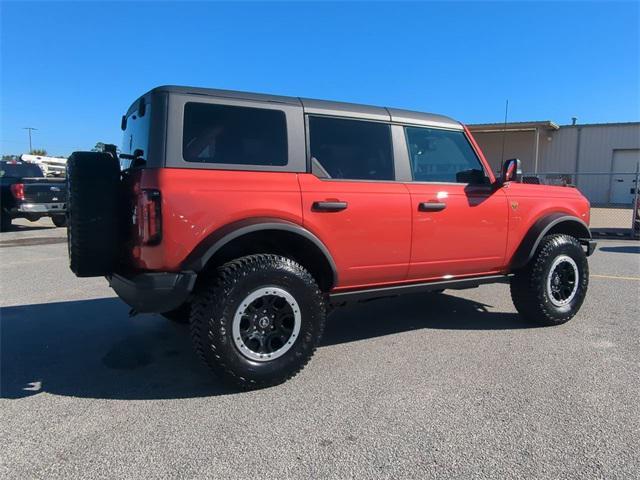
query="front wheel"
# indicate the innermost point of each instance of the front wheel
(258, 320)
(551, 288)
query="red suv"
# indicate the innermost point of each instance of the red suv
(249, 216)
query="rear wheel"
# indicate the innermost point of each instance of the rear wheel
(59, 220)
(551, 288)
(258, 320)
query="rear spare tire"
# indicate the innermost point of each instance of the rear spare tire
(93, 181)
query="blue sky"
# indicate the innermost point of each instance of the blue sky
(72, 69)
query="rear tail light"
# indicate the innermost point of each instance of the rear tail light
(17, 189)
(149, 217)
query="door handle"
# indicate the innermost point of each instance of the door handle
(431, 206)
(329, 206)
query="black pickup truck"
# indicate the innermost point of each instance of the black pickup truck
(27, 193)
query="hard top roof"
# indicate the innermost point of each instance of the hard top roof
(324, 107)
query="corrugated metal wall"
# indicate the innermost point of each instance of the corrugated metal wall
(597, 143)
(559, 152)
(516, 145)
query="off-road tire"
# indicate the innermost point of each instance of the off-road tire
(93, 180)
(5, 221)
(529, 290)
(179, 315)
(59, 220)
(217, 299)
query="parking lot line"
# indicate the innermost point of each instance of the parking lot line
(615, 277)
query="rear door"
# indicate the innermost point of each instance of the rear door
(352, 201)
(623, 180)
(459, 220)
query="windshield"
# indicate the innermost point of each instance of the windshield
(19, 169)
(135, 140)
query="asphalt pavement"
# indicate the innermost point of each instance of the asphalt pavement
(452, 385)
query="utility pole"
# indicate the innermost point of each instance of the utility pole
(30, 130)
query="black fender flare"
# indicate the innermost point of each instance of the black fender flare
(207, 248)
(544, 225)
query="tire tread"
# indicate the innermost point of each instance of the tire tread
(92, 229)
(528, 284)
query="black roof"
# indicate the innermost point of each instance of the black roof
(320, 106)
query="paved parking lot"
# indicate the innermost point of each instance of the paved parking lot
(454, 385)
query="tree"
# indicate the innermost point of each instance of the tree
(39, 151)
(106, 147)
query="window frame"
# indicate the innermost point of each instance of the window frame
(398, 170)
(429, 182)
(294, 124)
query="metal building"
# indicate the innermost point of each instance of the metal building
(600, 159)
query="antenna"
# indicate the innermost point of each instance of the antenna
(504, 130)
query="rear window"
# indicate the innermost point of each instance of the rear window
(135, 140)
(20, 169)
(223, 134)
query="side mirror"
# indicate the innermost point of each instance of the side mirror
(511, 171)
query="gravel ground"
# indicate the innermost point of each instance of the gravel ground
(451, 385)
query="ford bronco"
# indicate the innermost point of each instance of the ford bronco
(250, 216)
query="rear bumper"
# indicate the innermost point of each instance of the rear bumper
(40, 208)
(154, 292)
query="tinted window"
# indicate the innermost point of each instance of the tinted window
(442, 156)
(234, 135)
(351, 149)
(20, 169)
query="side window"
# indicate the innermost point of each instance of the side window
(442, 156)
(350, 149)
(223, 134)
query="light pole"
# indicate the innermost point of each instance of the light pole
(30, 129)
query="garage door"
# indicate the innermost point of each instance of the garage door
(622, 185)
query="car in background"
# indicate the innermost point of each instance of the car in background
(27, 193)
